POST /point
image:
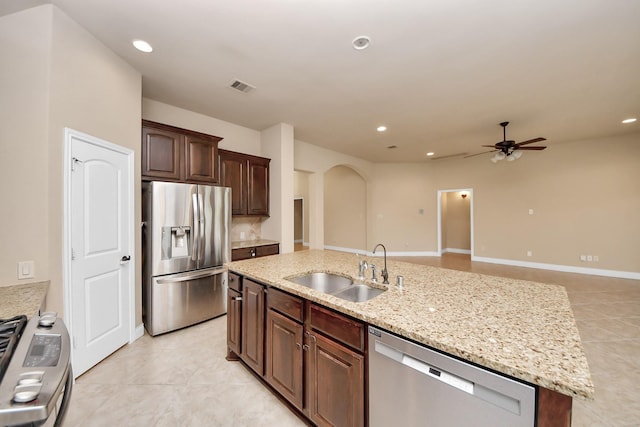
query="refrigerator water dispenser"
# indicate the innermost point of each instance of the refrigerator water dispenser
(176, 242)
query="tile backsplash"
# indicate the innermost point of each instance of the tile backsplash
(246, 228)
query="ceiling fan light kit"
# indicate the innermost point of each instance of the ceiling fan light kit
(509, 149)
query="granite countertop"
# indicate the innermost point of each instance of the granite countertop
(520, 328)
(240, 244)
(22, 299)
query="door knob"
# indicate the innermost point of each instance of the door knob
(125, 258)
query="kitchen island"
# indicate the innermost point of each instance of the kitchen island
(522, 329)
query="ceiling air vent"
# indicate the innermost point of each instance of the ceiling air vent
(241, 86)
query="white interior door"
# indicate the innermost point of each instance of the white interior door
(101, 246)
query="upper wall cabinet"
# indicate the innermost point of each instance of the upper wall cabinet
(174, 154)
(248, 177)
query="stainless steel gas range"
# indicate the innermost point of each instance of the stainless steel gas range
(35, 371)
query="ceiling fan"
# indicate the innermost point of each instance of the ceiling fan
(507, 148)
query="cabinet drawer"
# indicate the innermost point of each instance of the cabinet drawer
(348, 331)
(235, 282)
(242, 253)
(286, 304)
(267, 250)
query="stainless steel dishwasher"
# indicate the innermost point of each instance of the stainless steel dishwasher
(411, 385)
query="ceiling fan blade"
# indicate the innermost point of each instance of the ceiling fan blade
(538, 148)
(477, 154)
(489, 146)
(448, 156)
(531, 141)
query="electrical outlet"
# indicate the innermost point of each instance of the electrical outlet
(242, 235)
(529, 253)
(583, 258)
(596, 258)
(589, 258)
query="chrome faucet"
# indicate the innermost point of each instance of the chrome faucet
(374, 279)
(385, 273)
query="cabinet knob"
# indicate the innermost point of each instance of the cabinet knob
(237, 298)
(298, 346)
(305, 347)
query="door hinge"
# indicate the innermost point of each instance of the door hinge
(74, 161)
(73, 254)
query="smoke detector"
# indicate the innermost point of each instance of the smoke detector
(241, 86)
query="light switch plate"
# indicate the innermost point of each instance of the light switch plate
(26, 270)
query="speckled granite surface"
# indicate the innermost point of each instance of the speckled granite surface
(22, 299)
(520, 328)
(251, 243)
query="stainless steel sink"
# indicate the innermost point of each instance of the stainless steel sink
(337, 285)
(358, 293)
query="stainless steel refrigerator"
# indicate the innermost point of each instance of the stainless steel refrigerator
(185, 245)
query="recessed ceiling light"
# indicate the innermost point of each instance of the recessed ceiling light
(430, 153)
(142, 46)
(361, 42)
(381, 128)
(631, 120)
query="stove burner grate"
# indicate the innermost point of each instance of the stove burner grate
(10, 332)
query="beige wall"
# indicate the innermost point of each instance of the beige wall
(85, 87)
(402, 211)
(24, 110)
(345, 209)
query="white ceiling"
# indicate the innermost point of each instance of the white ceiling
(440, 74)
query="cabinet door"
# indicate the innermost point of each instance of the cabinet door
(284, 357)
(233, 173)
(335, 383)
(258, 193)
(234, 323)
(201, 156)
(252, 351)
(161, 154)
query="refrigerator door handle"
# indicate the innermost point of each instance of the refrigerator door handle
(201, 227)
(196, 228)
(191, 276)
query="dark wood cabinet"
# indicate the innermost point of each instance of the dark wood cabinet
(254, 252)
(248, 177)
(335, 383)
(334, 366)
(234, 317)
(161, 153)
(258, 186)
(175, 154)
(284, 357)
(314, 357)
(252, 345)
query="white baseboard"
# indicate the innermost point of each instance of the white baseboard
(139, 332)
(563, 268)
(457, 251)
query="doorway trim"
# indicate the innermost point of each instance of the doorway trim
(69, 135)
(302, 203)
(471, 201)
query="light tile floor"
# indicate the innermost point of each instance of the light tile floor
(183, 379)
